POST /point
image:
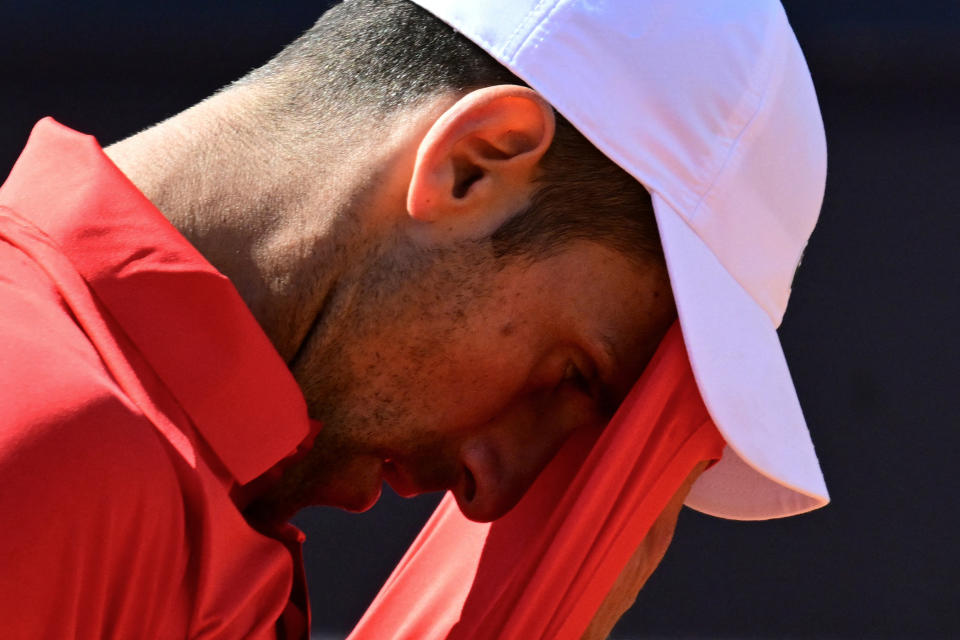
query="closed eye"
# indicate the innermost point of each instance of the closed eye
(574, 376)
(592, 388)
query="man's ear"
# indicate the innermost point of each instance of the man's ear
(476, 165)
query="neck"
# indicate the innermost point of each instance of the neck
(264, 215)
(286, 207)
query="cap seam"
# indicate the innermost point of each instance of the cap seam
(765, 70)
(521, 34)
(539, 32)
(734, 148)
(691, 219)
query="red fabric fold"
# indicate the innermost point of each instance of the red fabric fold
(543, 570)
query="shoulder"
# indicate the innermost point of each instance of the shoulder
(69, 437)
(94, 521)
(92, 505)
(61, 413)
(91, 494)
(85, 455)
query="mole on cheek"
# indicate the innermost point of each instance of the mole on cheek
(508, 329)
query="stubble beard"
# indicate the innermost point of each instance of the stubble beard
(367, 403)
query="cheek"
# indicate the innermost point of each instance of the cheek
(432, 369)
(532, 414)
(407, 386)
(456, 377)
(471, 388)
(559, 412)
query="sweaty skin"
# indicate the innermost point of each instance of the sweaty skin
(430, 361)
(492, 393)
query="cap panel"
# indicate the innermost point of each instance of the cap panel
(667, 114)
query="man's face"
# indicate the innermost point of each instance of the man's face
(449, 369)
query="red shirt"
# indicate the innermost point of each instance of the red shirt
(542, 571)
(136, 392)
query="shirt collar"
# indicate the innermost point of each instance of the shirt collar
(184, 316)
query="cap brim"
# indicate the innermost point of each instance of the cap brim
(769, 468)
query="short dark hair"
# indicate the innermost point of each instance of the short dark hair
(387, 54)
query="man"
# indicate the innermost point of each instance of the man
(455, 277)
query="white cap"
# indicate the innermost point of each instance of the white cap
(711, 107)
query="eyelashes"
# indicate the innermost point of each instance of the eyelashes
(573, 375)
(592, 388)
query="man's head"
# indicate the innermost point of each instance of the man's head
(392, 204)
(499, 282)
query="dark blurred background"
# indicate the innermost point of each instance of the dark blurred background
(870, 334)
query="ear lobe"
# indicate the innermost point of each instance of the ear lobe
(476, 165)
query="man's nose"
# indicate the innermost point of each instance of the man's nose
(494, 478)
(501, 460)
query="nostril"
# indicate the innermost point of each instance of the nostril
(469, 485)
